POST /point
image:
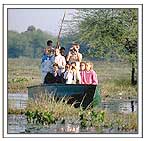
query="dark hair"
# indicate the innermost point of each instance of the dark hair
(75, 44)
(62, 48)
(73, 63)
(49, 43)
(55, 64)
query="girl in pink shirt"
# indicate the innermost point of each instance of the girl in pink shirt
(88, 76)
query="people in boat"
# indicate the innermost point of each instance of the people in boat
(88, 76)
(47, 60)
(53, 77)
(60, 60)
(74, 55)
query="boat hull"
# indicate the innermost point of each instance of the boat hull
(82, 95)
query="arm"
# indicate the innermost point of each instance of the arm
(79, 57)
(78, 76)
(94, 78)
(63, 62)
(68, 56)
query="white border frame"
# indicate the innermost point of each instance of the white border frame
(140, 102)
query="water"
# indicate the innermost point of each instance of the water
(18, 123)
(120, 106)
(18, 101)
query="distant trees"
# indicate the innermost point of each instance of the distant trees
(31, 28)
(29, 43)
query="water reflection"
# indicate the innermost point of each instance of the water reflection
(16, 123)
(18, 101)
(120, 106)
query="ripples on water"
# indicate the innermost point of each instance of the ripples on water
(18, 123)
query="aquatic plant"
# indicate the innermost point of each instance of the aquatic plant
(44, 118)
(91, 118)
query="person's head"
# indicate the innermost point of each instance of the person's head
(73, 65)
(82, 66)
(47, 51)
(76, 46)
(55, 67)
(67, 67)
(49, 43)
(89, 66)
(62, 51)
(57, 51)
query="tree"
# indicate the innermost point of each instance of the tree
(31, 28)
(109, 33)
(14, 44)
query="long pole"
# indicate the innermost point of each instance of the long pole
(58, 39)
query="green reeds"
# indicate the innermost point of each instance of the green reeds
(57, 106)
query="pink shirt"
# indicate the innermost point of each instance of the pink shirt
(89, 77)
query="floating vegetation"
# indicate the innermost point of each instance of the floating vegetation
(44, 118)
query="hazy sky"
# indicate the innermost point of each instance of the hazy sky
(45, 19)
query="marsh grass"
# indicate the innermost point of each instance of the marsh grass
(114, 80)
(23, 72)
(48, 110)
(58, 107)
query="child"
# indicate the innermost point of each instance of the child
(76, 74)
(67, 75)
(82, 71)
(89, 76)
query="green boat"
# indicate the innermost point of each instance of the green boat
(83, 95)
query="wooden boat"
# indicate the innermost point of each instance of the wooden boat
(81, 94)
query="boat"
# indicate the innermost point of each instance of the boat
(82, 95)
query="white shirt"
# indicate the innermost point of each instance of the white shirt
(60, 60)
(68, 76)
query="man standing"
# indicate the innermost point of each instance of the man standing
(74, 55)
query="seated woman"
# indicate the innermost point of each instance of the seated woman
(53, 77)
(88, 76)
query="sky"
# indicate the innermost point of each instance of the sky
(45, 19)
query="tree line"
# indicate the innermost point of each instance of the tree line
(29, 43)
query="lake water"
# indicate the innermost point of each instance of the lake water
(18, 123)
